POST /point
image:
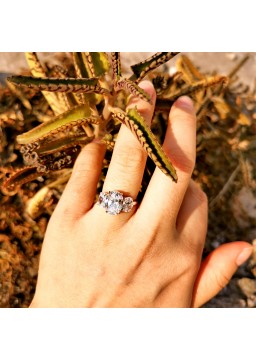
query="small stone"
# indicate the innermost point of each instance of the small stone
(247, 286)
(127, 204)
(103, 200)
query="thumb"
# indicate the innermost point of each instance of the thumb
(217, 270)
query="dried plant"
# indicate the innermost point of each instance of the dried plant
(89, 104)
(47, 129)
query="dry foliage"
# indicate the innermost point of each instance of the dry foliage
(45, 124)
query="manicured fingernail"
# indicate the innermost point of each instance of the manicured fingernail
(244, 255)
(147, 86)
(146, 83)
(185, 103)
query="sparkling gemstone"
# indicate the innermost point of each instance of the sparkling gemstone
(103, 200)
(114, 202)
(127, 204)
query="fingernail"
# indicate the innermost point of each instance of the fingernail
(244, 255)
(185, 103)
(147, 86)
(146, 83)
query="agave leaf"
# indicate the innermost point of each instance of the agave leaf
(67, 100)
(135, 122)
(80, 65)
(35, 66)
(64, 143)
(21, 176)
(62, 85)
(141, 69)
(116, 66)
(76, 116)
(38, 71)
(199, 85)
(98, 63)
(133, 89)
(83, 71)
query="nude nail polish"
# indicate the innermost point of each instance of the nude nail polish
(244, 255)
(184, 102)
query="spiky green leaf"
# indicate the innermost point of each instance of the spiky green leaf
(135, 122)
(63, 143)
(83, 70)
(133, 89)
(98, 63)
(34, 64)
(116, 66)
(20, 177)
(37, 70)
(80, 114)
(141, 69)
(80, 65)
(60, 85)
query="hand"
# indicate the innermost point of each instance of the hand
(149, 257)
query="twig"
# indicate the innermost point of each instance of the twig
(225, 187)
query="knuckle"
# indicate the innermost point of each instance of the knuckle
(87, 160)
(188, 264)
(193, 244)
(130, 159)
(184, 162)
(193, 250)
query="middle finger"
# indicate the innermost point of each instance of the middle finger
(129, 158)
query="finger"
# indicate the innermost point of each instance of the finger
(217, 270)
(163, 196)
(192, 219)
(79, 194)
(129, 158)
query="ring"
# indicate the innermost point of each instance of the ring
(115, 202)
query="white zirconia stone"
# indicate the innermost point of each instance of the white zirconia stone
(127, 204)
(114, 203)
(103, 200)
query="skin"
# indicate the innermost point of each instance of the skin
(149, 257)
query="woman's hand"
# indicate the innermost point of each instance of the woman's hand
(149, 257)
